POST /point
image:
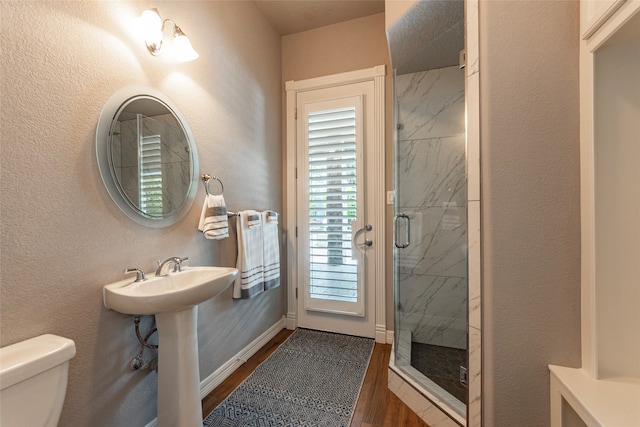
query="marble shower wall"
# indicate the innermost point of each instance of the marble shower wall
(174, 152)
(431, 190)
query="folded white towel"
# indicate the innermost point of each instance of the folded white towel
(253, 219)
(250, 264)
(271, 250)
(272, 217)
(214, 222)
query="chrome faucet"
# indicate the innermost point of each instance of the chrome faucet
(140, 277)
(163, 267)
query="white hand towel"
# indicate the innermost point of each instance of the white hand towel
(254, 219)
(271, 250)
(214, 222)
(271, 216)
(250, 264)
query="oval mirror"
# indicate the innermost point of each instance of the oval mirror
(147, 156)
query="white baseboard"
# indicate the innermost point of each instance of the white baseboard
(389, 337)
(222, 373)
(291, 320)
(381, 334)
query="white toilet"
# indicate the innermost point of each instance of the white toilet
(33, 381)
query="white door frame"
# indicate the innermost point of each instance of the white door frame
(376, 148)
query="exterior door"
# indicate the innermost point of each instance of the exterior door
(336, 290)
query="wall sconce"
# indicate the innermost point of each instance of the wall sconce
(153, 27)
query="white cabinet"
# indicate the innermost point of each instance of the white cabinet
(606, 390)
(610, 195)
(579, 400)
(594, 13)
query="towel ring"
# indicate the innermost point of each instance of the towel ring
(205, 180)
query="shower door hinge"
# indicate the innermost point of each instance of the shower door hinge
(464, 377)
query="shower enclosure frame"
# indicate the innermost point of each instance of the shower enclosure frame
(430, 232)
(412, 393)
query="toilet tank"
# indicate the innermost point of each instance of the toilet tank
(33, 380)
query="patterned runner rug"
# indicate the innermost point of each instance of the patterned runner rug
(313, 379)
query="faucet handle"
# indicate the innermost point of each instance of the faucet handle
(177, 267)
(140, 276)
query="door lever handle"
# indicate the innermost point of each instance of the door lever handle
(367, 242)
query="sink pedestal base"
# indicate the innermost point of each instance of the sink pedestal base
(178, 369)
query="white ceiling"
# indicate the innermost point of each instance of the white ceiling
(294, 16)
(430, 36)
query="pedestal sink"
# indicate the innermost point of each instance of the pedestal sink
(173, 300)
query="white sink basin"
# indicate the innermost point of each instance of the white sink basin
(168, 294)
(173, 299)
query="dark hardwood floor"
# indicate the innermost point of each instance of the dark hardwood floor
(376, 407)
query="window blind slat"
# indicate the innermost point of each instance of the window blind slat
(339, 145)
(332, 175)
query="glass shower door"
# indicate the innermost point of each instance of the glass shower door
(430, 231)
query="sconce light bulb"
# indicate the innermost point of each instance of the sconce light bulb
(151, 27)
(184, 51)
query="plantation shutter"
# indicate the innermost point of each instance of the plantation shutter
(332, 204)
(151, 175)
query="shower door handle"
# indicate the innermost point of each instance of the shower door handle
(407, 241)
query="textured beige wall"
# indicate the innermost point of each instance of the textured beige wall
(62, 236)
(347, 46)
(352, 45)
(530, 204)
